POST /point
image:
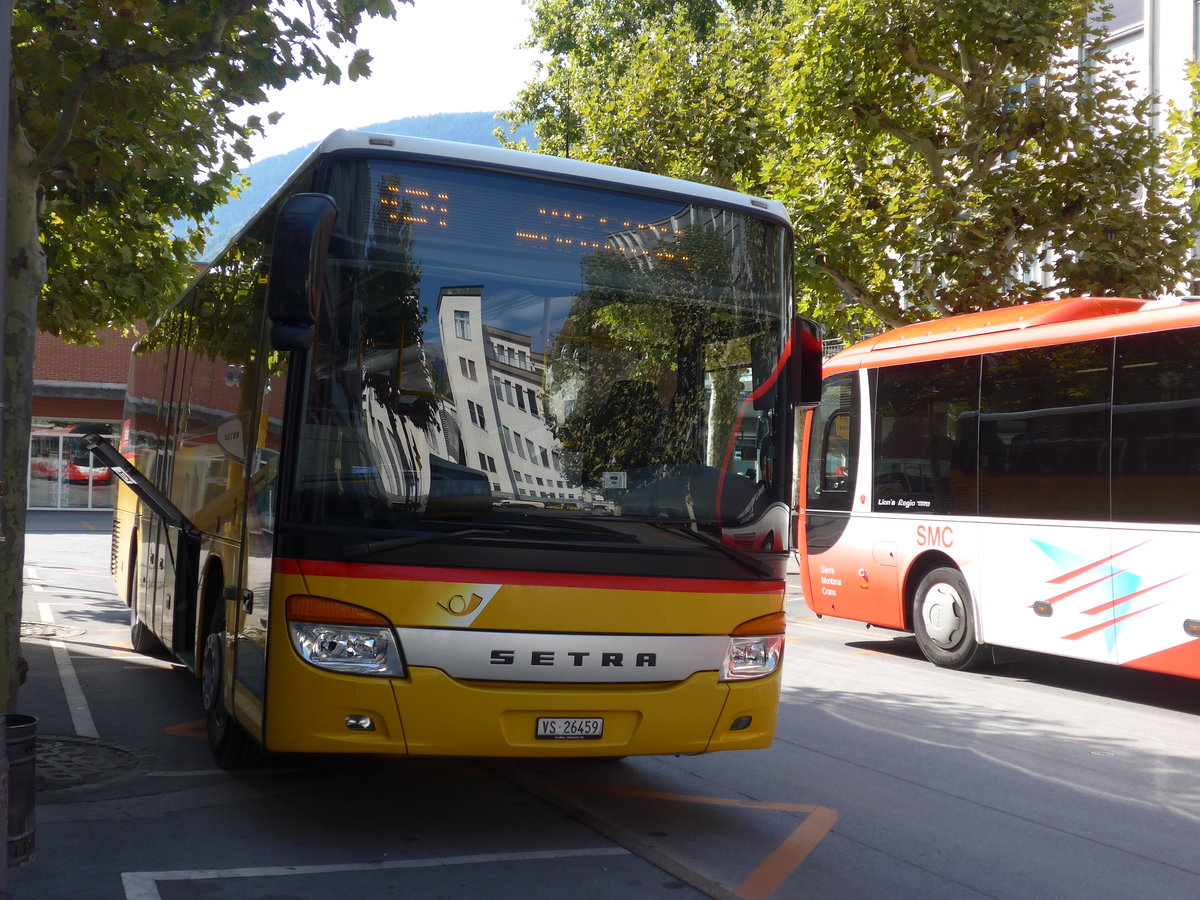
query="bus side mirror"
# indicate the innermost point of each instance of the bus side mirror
(301, 242)
(804, 367)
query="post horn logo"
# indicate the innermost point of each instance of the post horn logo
(458, 605)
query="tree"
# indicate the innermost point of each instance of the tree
(950, 153)
(937, 156)
(124, 118)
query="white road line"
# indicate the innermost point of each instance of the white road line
(81, 716)
(32, 575)
(144, 885)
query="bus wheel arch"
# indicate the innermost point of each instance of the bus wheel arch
(942, 614)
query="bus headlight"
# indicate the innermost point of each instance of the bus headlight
(343, 638)
(752, 657)
(755, 648)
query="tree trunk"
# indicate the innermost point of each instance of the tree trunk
(26, 275)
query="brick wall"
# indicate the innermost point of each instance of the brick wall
(75, 383)
(55, 360)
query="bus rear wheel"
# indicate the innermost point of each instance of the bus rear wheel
(232, 747)
(944, 621)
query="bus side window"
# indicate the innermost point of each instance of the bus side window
(834, 432)
(836, 453)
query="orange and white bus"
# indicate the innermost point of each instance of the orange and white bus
(1023, 478)
(464, 451)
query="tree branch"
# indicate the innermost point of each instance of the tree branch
(922, 145)
(113, 60)
(852, 288)
(909, 52)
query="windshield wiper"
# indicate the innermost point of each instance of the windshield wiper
(369, 548)
(551, 534)
(758, 566)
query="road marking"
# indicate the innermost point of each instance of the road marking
(776, 868)
(81, 715)
(197, 728)
(785, 859)
(144, 885)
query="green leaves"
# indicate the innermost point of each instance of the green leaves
(129, 110)
(937, 157)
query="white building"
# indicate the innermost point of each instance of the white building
(497, 385)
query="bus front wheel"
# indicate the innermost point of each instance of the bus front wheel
(232, 747)
(944, 621)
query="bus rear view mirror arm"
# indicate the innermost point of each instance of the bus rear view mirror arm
(301, 242)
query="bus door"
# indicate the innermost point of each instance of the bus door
(254, 597)
(259, 415)
(160, 547)
(851, 562)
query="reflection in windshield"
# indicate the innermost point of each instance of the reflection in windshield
(493, 346)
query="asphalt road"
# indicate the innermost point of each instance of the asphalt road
(888, 778)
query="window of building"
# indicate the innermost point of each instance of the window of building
(477, 416)
(462, 324)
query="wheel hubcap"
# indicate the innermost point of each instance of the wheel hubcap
(210, 672)
(943, 614)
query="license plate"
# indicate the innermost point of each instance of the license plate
(569, 729)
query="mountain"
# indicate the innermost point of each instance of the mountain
(268, 174)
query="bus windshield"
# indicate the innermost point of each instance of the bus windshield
(502, 350)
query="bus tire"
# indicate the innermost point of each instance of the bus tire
(141, 638)
(944, 620)
(231, 745)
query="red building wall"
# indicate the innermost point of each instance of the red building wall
(80, 383)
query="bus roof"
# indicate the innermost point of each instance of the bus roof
(428, 149)
(1028, 325)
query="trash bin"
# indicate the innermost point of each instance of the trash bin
(20, 740)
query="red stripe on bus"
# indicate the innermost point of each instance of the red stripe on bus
(1104, 607)
(1084, 587)
(1109, 623)
(1067, 577)
(329, 569)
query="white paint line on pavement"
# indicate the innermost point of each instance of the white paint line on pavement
(81, 716)
(31, 574)
(144, 885)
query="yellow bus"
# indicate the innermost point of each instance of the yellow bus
(462, 451)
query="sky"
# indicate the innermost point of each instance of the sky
(436, 56)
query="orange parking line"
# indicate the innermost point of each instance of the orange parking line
(776, 868)
(194, 729)
(785, 859)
